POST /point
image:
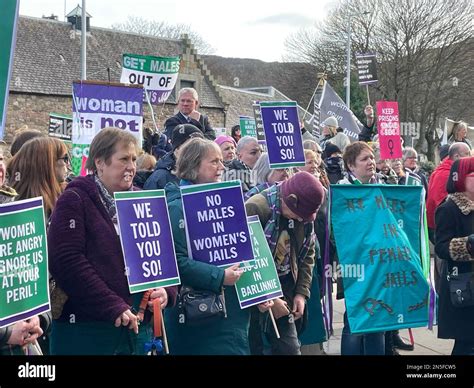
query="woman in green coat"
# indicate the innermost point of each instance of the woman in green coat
(200, 161)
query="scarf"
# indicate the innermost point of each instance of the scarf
(107, 200)
(323, 177)
(272, 227)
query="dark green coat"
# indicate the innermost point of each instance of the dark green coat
(226, 337)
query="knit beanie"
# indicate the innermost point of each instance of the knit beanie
(303, 194)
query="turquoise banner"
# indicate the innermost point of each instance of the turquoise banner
(377, 232)
(7, 50)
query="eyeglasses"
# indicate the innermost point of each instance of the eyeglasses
(66, 159)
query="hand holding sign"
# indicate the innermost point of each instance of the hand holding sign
(280, 308)
(159, 293)
(232, 274)
(265, 306)
(25, 332)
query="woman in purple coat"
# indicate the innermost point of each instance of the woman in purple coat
(86, 258)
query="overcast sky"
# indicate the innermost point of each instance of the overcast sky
(241, 28)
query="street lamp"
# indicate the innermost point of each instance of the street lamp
(83, 42)
(348, 70)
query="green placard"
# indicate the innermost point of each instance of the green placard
(259, 282)
(247, 126)
(150, 64)
(23, 261)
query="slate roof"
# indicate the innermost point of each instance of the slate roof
(77, 12)
(240, 101)
(47, 57)
(296, 80)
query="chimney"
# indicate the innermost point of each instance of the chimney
(52, 17)
(75, 18)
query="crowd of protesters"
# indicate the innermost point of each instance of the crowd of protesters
(87, 266)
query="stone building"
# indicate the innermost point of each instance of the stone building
(240, 101)
(47, 61)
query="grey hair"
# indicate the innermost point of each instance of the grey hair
(455, 148)
(244, 141)
(188, 90)
(311, 145)
(262, 170)
(409, 152)
(190, 157)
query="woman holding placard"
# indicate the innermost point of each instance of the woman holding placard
(200, 161)
(359, 161)
(86, 258)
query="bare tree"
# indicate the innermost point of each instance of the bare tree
(162, 29)
(421, 46)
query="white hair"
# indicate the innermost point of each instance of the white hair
(188, 90)
(244, 141)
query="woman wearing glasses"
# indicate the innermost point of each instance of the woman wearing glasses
(38, 170)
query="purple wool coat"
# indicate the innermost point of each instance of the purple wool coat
(85, 256)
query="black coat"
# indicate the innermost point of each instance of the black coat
(179, 118)
(451, 223)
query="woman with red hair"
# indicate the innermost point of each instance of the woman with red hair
(455, 243)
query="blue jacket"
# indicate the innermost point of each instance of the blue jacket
(163, 173)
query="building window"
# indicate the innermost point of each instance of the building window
(186, 84)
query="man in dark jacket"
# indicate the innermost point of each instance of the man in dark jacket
(187, 105)
(164, 168)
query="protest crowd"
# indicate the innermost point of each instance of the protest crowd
(306, 214)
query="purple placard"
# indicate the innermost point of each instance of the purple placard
(23, 205)
(282, 134)
(216, 225)
(260, 299)
(116, 100)
(25, 315)
(157, 96)
(147, 242)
